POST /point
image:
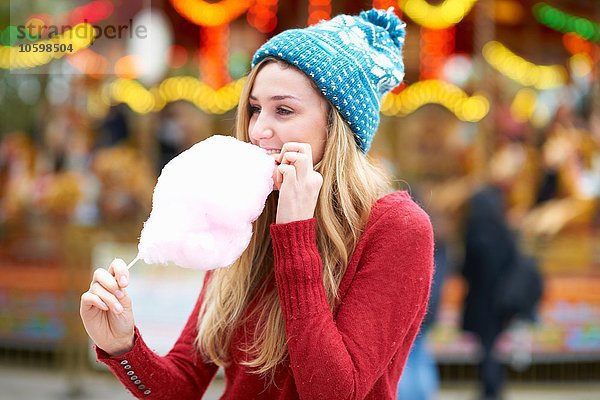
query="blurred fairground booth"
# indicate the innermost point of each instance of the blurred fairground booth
(98, 95)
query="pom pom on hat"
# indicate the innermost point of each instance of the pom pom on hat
(353, 60)
(388, 21)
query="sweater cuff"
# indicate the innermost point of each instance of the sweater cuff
(104, 356)
(130, 368)
(298, 269)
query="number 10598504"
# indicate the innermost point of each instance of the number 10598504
(45, 48)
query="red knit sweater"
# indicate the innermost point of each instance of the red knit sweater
(356, 352)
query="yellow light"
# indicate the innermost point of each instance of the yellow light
(387, 103)
(159, 100)
(187, 88)
(522, 71)
(441, 16)
(473, 109)
(523, 105)
(206, 13)
(413, 97)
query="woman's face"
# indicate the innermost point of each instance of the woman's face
(284, 107)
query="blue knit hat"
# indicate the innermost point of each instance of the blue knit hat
(354, 60)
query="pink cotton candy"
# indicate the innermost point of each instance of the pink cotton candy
(204, 204)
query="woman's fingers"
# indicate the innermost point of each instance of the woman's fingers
(107, 297)
(300, 156)
(277, 178)
(89, 300)
(300, 161)
(118, 268)
(287, 172)
(303, 148)
(105, 286)
(108, 281)
(300, 186)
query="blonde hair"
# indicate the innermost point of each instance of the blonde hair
(351, 185)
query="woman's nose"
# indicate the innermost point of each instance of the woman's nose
(261, 128)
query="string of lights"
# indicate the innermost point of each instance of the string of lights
(522, 71)
(464, 107)
(187, 88)
(560, 21)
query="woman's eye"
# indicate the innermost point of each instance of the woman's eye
(254, 110)
(283, 111)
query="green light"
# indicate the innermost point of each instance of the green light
(10, 35)
(585, 27)
(564, 23)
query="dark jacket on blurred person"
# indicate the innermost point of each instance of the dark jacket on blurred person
(490, 250)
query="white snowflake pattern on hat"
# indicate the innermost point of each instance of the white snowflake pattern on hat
(355, 36)
(388, 76)
(382, 60)
(346, 29)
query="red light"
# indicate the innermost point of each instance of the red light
(92, 12)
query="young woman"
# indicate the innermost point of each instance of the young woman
(329, 296)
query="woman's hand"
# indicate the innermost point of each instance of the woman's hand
(106, 309)
(298, 183)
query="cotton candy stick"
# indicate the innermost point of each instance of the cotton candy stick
(136, 259)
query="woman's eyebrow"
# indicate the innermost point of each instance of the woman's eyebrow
(278, 97)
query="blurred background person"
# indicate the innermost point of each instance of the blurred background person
(490, 249)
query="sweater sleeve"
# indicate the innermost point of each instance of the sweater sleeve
(380, 313)
(181, 374)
